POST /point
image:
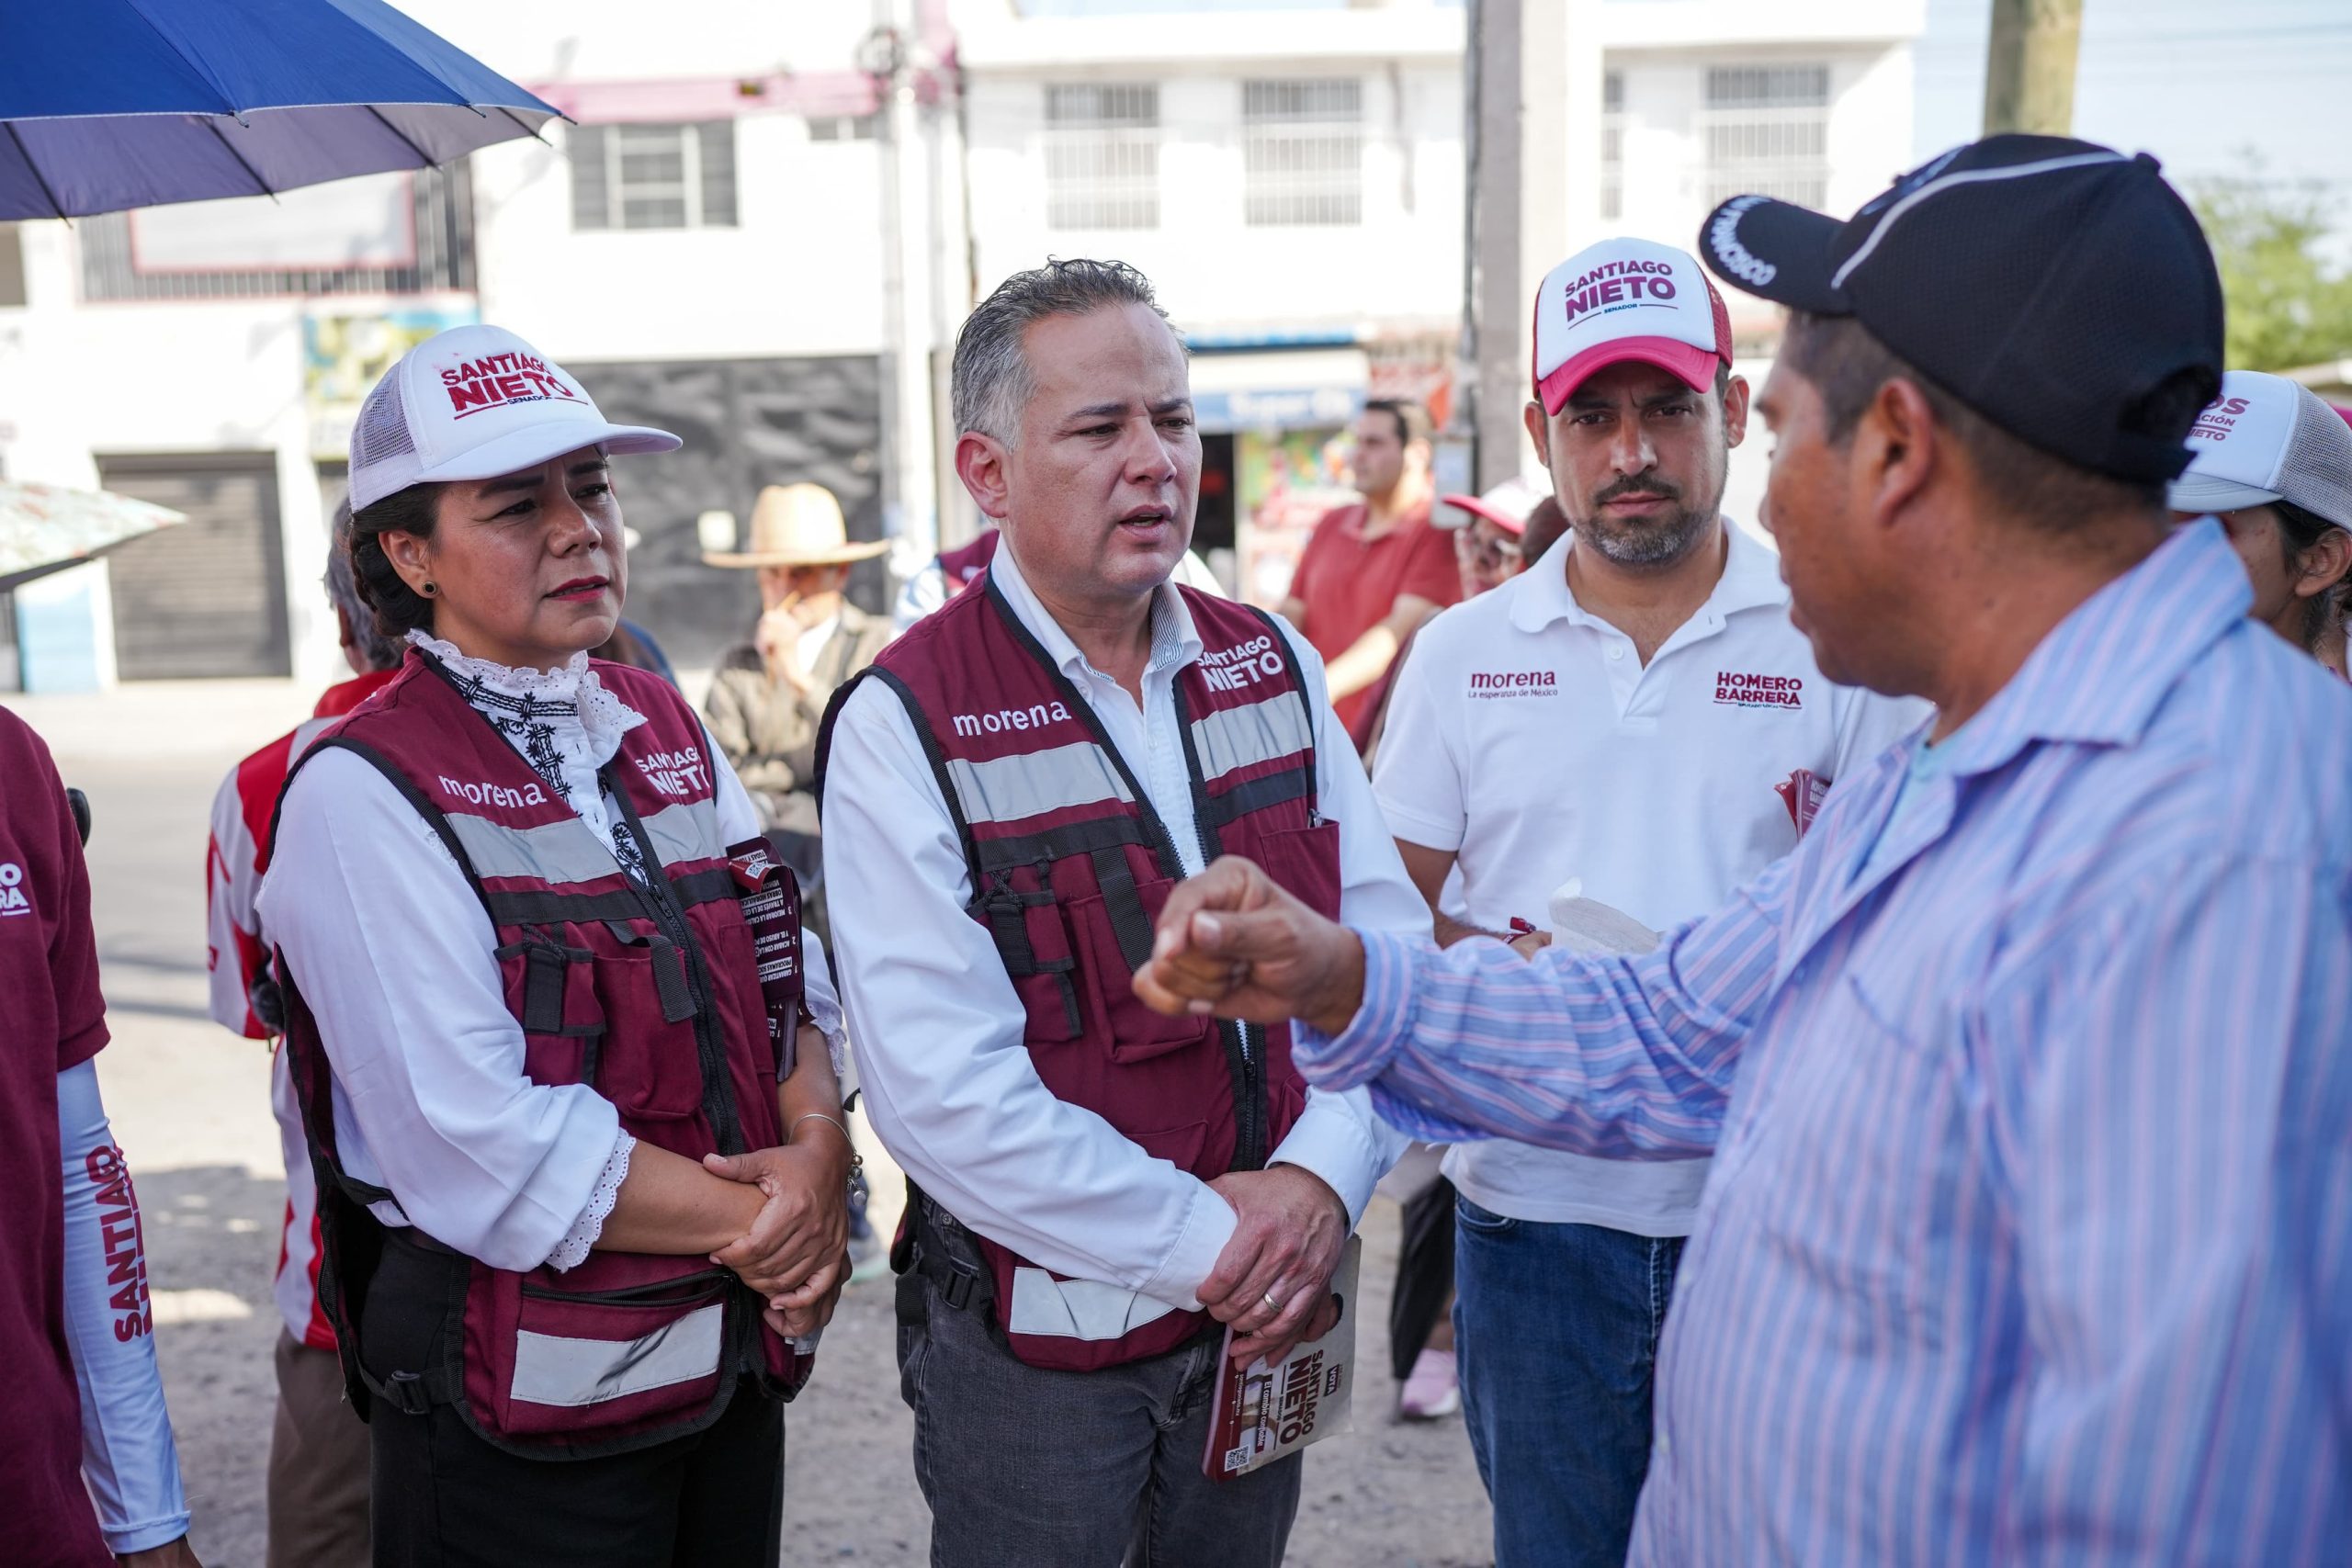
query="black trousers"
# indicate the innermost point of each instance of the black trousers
(1424, 1275)
(442, 1497)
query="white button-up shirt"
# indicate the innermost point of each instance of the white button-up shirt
(937, 1027)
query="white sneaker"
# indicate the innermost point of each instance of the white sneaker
(1433, 1391)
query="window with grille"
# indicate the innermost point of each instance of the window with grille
(1767, 131)
(442, 213)
(845, 128)
(1102, 155)
(1302, 152)
(653, 177)
(1613, 146)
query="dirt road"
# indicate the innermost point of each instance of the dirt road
(189, 1105)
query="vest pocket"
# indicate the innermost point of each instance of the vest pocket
(551, 990)
(1105, 933)
(641, 1340)
(1305, 861)
(653, 1065)
(1035, 944)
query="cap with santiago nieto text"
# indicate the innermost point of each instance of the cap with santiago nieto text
(2266, 439)
(474, 404)
(1625, 299)
(2059, 289)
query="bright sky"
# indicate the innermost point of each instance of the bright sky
(2197, 84)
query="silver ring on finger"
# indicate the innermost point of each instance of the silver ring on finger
(1272, 1305)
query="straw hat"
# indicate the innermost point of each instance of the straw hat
(798, 526)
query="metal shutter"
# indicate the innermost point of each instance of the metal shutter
(207, 597)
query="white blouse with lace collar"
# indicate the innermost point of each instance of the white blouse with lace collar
(562, 721)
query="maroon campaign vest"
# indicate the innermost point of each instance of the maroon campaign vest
(962, 565)
(649, 993)
(1070, 868)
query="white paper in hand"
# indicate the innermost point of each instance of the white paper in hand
(1587, 925)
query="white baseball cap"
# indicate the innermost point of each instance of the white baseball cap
(2266, 439)
(474, 404)
(1627, 299)
(1507, 506)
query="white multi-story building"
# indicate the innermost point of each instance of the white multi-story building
(704, 247)
(717, 246)
(1293, 182)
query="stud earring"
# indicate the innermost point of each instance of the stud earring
(430, 590)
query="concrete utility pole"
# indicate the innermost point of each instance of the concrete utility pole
(1534, 150)
(910, 495)
(2030, 66)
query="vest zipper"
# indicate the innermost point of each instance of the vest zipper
(1248, 1087)
(1249, 1149)
(710, 1052)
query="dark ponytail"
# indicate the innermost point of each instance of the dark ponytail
(399, 608)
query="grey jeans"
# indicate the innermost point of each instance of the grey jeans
(1074, 1470)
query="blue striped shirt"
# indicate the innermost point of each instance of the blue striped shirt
(2030, 1234)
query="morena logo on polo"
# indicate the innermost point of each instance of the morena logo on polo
(1035, 717)
(12, 890)
(496, 379)
(1513, 683)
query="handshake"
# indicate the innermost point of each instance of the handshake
(1232, 944)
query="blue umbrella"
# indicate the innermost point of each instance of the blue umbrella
(113, 104)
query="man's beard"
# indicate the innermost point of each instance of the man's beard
(1658, 541)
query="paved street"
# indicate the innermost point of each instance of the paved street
(189, 1107)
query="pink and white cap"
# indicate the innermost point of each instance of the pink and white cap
(1627, 299)
(474, 404)
(2266, 439)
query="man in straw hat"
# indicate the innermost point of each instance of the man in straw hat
(768, 694)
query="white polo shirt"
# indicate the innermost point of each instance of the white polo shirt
(1527, 736)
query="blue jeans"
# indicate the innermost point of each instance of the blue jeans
(1556, 1327)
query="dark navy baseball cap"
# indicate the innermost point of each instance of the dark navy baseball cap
(2059, 289)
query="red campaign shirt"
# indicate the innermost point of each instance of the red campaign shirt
(233, 865)
(1350, 583)
(52, 1019)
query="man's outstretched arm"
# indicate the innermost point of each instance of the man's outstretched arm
(1627, 1058)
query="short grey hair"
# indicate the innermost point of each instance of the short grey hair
(381, 652)
(991, 384)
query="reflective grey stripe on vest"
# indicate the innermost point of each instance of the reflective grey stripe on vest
(1078, 1309)
(551, 1369)
(571, 851)
(1030, 784)
(688, 831)
(1257, 732)
(560, 852)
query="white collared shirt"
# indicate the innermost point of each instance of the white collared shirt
(1526, 737)
(937, 1025)
(811, 644)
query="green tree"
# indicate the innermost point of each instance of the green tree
(2288, 306)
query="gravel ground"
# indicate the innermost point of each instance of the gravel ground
(191, 1108)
